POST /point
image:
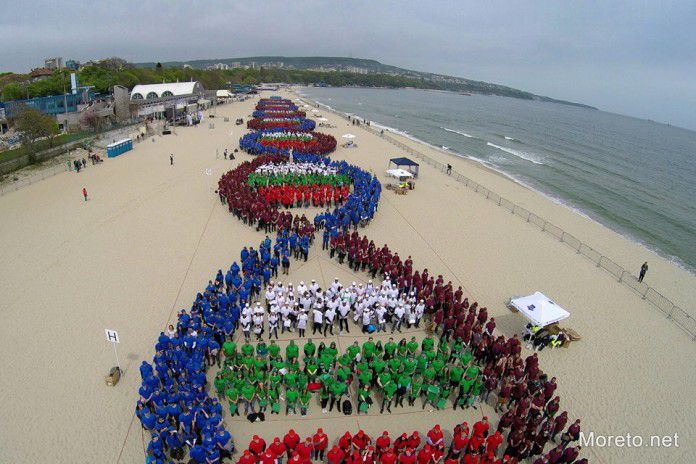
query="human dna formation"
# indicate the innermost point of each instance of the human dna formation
(461, 362)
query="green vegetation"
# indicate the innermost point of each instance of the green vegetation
(42, 145)
(33, 125)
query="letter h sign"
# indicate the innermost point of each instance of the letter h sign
(111, 336)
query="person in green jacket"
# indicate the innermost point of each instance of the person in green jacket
(389, 349)
(291, 351)
(233, 400)
(337, 391)
(368, 349)
(388, 391)
(229, 348)
(364, 399)
(291, 397)
(305, 398)
(273, 349)
(274, 399)
(248, 398)
(414, 392)
(309, 348)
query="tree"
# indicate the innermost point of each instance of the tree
(13, 91)
(33, 125)
(158, 67)
(91, 119)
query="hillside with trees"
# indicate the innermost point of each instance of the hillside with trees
(338, 72)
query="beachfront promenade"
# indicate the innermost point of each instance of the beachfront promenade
(152, 235)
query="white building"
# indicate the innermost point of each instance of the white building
(172, 89)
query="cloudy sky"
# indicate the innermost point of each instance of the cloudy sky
(631, 57)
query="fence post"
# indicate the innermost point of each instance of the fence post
(562, 235)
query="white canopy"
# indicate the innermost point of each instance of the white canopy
(399, 173)
(539, 309)
(224, 94)
(322, 119)
(348, 136)
(315, 111)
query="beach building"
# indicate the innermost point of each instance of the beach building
(171, 100)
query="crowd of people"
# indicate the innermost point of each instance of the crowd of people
(300, 169)
(469, 445)
(281, 123)
(464, 361)
(282, 141)
(279, 113)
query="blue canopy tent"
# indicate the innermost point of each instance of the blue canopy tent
(406, 164)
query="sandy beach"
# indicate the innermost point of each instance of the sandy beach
(152, 235)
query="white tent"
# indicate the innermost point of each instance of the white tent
(315, 111)
(539, 309)
(399, 173)
(322, 119)
(348, 136)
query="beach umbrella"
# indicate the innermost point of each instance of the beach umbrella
(348, 136)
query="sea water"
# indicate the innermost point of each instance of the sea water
(637, 177)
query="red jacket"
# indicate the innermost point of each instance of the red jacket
(335, 456)
(291, 440)
(320, 441)
(388, 457)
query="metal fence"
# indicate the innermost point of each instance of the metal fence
(676, 314)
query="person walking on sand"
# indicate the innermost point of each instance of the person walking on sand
(171, 159)
(84, 193)
(643, 271)
(449, 169)
(225, 153)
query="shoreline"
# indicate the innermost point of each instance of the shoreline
(482, 165)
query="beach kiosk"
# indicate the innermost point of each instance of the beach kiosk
(405, 164)
(119, 147)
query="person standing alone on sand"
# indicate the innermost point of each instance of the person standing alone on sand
(84, 193)
(171, 160)
(643, 271)
(449, 169)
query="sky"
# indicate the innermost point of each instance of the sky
(636, 58)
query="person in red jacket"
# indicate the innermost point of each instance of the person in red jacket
(335, 455)
(257, 446)
(460, 441)
(401, 443)
(424, 455)
(305, 450)
(414, 441)
(345, 442)
(388, 457)
(481, 427)
(295, 458)
(278, 449)
(268, 457)
(493, 441)
(408, 457)
(470, 459)
(435, 437)
(383, 442)
(361, 440)
(291, 440)
(319, 442)
(452, 458)
(247, 458)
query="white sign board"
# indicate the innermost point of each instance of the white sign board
(111, 336)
